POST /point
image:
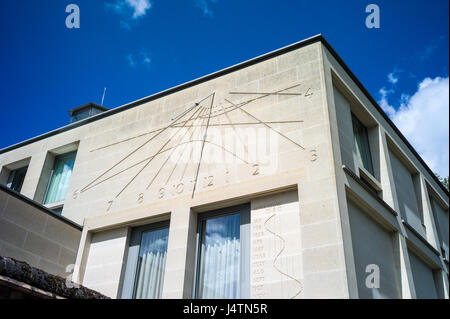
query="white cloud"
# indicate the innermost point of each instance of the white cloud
(141, 58)
(130, 8)
(204, 6)
(392, 77)
(140, 7)
(424, 120)
(384, 103)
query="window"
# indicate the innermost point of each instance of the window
(440, 214)
(144, 273)
(58, 210)
(60, 178)
(223, 258)
(85, 111)
(407, 186)
(16, 177)
(362, 144)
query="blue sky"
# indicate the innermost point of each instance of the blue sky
(139, 47)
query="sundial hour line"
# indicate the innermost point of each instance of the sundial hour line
(131, 153)
(241, 104)
(157, 153)
(234, 129)
(248, 123)
(192, 120)
(195, 104)
(203, 146)
(265, 93)
(166, 150)
(170, 155)
(185, 146)
(265, 124)
(153, 131)
(190, 157)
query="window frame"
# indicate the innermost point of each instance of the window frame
(133, 249)
(244, 211)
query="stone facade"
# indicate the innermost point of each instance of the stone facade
(34, 234)
(274, 132)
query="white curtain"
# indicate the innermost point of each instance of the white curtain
(220, 260)
(151, 264)
(59, 183)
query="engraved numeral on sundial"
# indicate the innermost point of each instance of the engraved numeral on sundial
(109, 205)
(314, 155)
(258, 271)
(256, 169)
(183, 130)
(179, 189)
(140, 198)
(209, 180)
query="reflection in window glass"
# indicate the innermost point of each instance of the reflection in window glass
(16, 178)
(362, 144)
(58, 210)
(219, 275)
(151, 264)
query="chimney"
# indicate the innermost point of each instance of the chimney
(85, 111)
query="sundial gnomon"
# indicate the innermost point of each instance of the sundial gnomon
(191, 128)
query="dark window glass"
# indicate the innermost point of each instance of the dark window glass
(16, 178)
(362, 144)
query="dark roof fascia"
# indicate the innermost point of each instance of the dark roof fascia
(40, 207)
(230, 69)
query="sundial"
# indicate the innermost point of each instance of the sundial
(183, 141)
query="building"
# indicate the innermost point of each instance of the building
(279, 177)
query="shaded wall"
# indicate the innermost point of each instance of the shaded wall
(34, 234)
